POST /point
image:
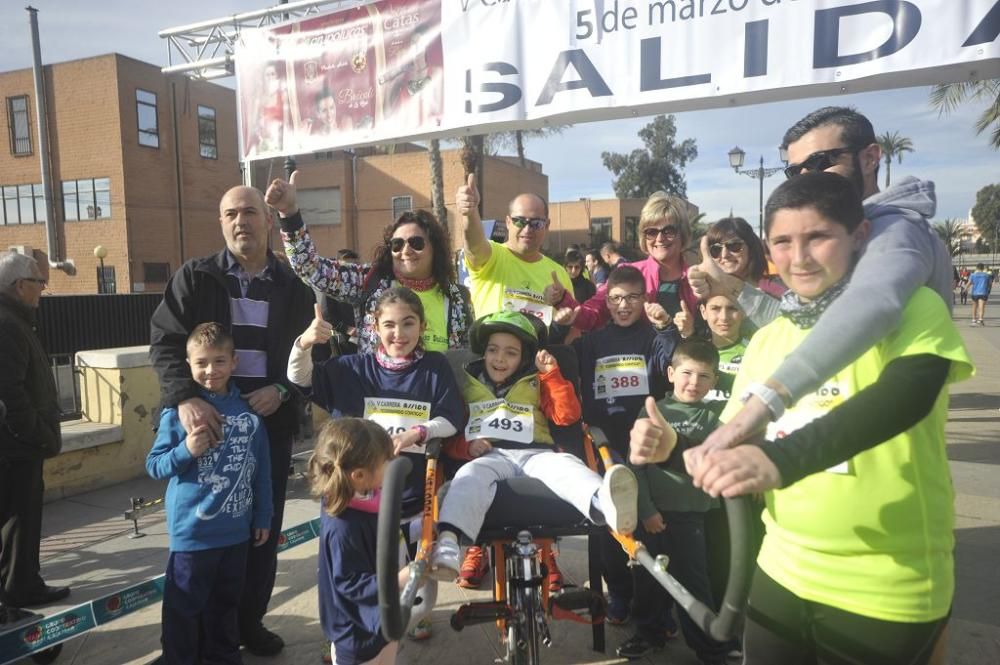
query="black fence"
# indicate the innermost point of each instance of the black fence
(67, 324)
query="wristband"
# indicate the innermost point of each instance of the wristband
(769, 396)
(283, 393)
(422, 430)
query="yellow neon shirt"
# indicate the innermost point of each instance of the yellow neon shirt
(435, 313)
(874, 535)
(504, 270)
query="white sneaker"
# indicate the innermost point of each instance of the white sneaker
(446, 561)
(619, 497)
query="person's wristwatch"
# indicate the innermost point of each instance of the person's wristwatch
(283, 393)
(768, 395)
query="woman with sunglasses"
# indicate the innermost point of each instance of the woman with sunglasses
(415, 252)
(736, 249)
(664, 232)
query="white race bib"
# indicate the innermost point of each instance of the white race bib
(397, 415)
(528, 303)
(620, 376)
(815, 405)
(500, 419)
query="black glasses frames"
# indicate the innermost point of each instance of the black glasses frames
(535, 223)
(820, 160)
(416, 243)
(733, 246)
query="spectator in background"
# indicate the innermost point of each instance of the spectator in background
(982, 284)
(597, 267)
(736, 249)
(611, 252)
(583, 288)
(29, 436)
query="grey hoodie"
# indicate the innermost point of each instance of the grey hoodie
(903, 253)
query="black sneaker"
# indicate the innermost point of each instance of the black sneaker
(261, 642)
(637, 646)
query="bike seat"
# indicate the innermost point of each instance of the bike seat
(527, 503)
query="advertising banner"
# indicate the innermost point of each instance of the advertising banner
(409, 69)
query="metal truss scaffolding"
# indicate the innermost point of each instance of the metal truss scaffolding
(205, 50)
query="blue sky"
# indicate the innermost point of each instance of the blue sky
(947, 149)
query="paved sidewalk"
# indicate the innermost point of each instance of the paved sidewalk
(86, 546)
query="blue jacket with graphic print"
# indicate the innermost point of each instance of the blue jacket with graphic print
(217, 499)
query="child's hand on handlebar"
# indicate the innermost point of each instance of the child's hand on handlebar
(479, 447)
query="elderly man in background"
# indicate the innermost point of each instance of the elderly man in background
(29, 434)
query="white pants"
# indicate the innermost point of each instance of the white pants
(386, 656)
(471, 491)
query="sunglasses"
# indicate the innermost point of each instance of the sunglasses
(668, 232)
(535, 223)
(416, 243)
(818, 161)
(733, 246)
(630, 298)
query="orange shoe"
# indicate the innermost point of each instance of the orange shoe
(555, 578)
(474, 568)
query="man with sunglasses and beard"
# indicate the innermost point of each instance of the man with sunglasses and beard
(902, 253)
(515, 275)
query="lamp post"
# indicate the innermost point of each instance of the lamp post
(100, 252)
(736, 156)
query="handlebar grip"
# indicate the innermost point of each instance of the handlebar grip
(394, 616)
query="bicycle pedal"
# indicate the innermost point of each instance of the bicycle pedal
(472, 614)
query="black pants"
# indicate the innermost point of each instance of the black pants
(262, 562)
(21, 488)
(684, 542)
(200, 597)
(783, 628)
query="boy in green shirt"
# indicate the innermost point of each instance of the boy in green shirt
(725, 322)
(672, 511)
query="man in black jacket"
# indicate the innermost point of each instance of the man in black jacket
(29, 435)
(265, 307)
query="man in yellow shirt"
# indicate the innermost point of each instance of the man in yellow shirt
(514, 276)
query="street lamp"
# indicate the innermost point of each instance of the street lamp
(736, 156)
(100, 252)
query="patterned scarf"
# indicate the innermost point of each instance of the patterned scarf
(425, 284)
(397, 364)
(805, 314)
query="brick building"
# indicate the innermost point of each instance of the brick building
(138, 162)
(592, 222)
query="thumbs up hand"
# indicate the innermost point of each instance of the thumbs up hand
(554, 292)
(467, 198)
(281, 195)
(708, 279)
(652, 439)
(318, 332)
(565, 316)
(657, 315)
(684, 321)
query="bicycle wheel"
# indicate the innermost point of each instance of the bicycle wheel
(523, 638)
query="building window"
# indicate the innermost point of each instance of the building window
(630, 232)
(149, 128)
(106, 282)
(401, 204)
(22, 204)
(20, 125)
(207, 137)
(600, 231)
(89, 198)
(157, 273)
(320, 206)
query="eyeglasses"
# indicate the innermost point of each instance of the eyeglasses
(818, 161)
(36, 280)
(733, 246)
(416, 243)
(669, 232)
(630, 298)
(535, 223)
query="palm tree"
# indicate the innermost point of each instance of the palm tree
(437, 183)
(893, 145)
(950, 232)
(949, 96)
